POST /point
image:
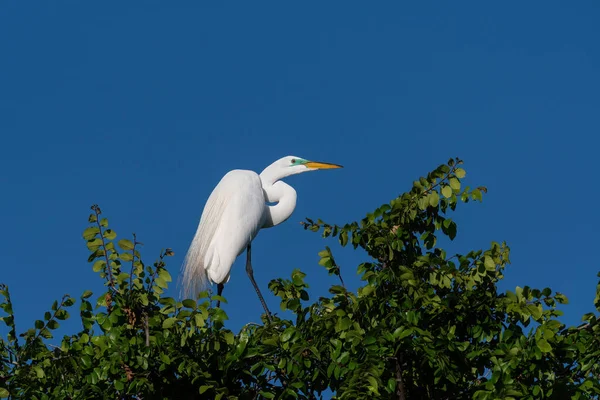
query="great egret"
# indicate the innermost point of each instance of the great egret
(234, 213)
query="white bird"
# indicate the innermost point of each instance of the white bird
(234, 213)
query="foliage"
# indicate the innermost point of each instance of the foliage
(424, 325)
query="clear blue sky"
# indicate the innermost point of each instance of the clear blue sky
(142, 107)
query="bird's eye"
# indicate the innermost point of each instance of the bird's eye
(293, 161)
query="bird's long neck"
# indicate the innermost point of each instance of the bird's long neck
(279, 192)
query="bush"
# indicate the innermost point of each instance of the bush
(424, 324)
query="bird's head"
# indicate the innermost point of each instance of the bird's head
(292, 165)
(305, 165)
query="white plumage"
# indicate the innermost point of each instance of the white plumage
(234, 213)
(231, 219)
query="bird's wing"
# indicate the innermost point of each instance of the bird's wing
(240, 223)
(231, 218)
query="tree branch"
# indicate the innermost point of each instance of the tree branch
(400, 389)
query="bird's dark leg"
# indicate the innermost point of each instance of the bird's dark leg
(220, 287)
(250, 273)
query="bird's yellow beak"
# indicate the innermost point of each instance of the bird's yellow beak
(321, 165)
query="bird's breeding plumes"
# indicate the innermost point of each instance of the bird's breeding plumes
(194, 277)
(229, 222)
(234, 213)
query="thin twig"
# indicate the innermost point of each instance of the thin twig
(12, 326)
(146, 330)
(584, 326)
(132, 265)
(60, 306)
(339, 274)
(160, 264)
(108, 267)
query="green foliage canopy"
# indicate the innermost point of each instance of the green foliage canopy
(424, 324)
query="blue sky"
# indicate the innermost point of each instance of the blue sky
(144, 106)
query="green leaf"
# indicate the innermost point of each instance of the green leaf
(169, 322)
(391, 385)
(126, 257)
(561, 298)
(287, 334)
(39, 372)
(452, 230)
(125, 244)
(200, 321)
(86, 361)
(165, 358)
(401, 333)
(119, 385)
(62, 315)
(91, 232)
(343, 323)
(344, 238)
(204, 388)
(434, 199)
(109, 234)
(460, 173)
(93, 244)
(4, 393)
(369, 340)
(489, 263)
(164, 274)
(447, 191)
(189, 303)
(217, 297)
(160, 282)
(229, 337)
(99, 265)
(122, 277)
(536, 312)
(45, 333)
(366, 290)
(544, 346)
(373, 383)
(454, 184)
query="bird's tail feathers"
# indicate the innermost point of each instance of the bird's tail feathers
(193, 273)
